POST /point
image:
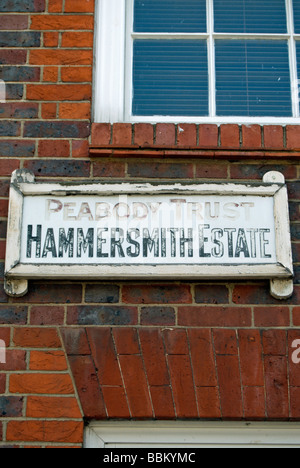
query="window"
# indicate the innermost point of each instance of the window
(198, 60)
(190, 434)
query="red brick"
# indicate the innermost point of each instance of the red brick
(252, 294)
(13, 57)
(274, 342)
(183, 386)
(41, 293)
(293, 137)
(106, 361)
(165, 134)
(136, 387)
(59, 92)
(155, 363)
(86, 381)
(273, 136)
(251, 136)
(45, 431)
(208, 402)
(57, 57)
(7, 166)
(15, 360)
(109, 169)
(52, 407)
(79, 6)
(75, 341)
(80, 149)
(126, 340)
(77, 39)
(254, 403)
(50, 74)
(51, 39)
(156, 170)
(202, 355)
(208, 136)
(163, 404)
(272, 316)
(230, 387)
(225, 342)
(122, 134)
(296, 316)
(5, 335)
(143, 134)
(211, 171)
(48, 361)
(186, 135)
(43, 315)
(158, 316)
(250, 349)
(3, 209)
(60, 384)
(13, 22)
(36, 338)
(61, 22)
(276, 387)
(115, 402)
(230, 136)
(214, 316)
(2, 384)
(76, 74)
(157, 294)
(49, 110)
(294, 399)
(78, 110)
(176, 341)
(54, 148)
(211, 294)
(101, 134)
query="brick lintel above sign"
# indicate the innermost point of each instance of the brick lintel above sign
(125, 231)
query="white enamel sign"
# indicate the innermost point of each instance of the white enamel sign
(147, 231)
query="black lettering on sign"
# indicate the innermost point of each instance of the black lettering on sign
(242, 245)
(66, 242)
(230, 232)
(37, 239)
(203, 240)
(253, 233)
(117, 244)
(49, 245)
(151, 242)
(264, 242)
(85, 242)
(163, 243)
(173, 232)
(100, 242)
(186, 240)
(218, 250)
(137, 248)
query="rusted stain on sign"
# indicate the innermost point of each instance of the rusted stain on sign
(143, 231)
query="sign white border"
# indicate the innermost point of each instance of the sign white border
(23, 184)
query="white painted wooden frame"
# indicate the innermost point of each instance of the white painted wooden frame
(190, 434)
(273, 185)
(113, 66)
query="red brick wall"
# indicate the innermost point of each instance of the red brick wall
(137, 350)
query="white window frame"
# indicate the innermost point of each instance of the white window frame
(113, 66)
(191, 434)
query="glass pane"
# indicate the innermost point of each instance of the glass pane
(296, 5)
(250, 16)
(252, 78)
(296, 86)
(170, 77)
(156, 16)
